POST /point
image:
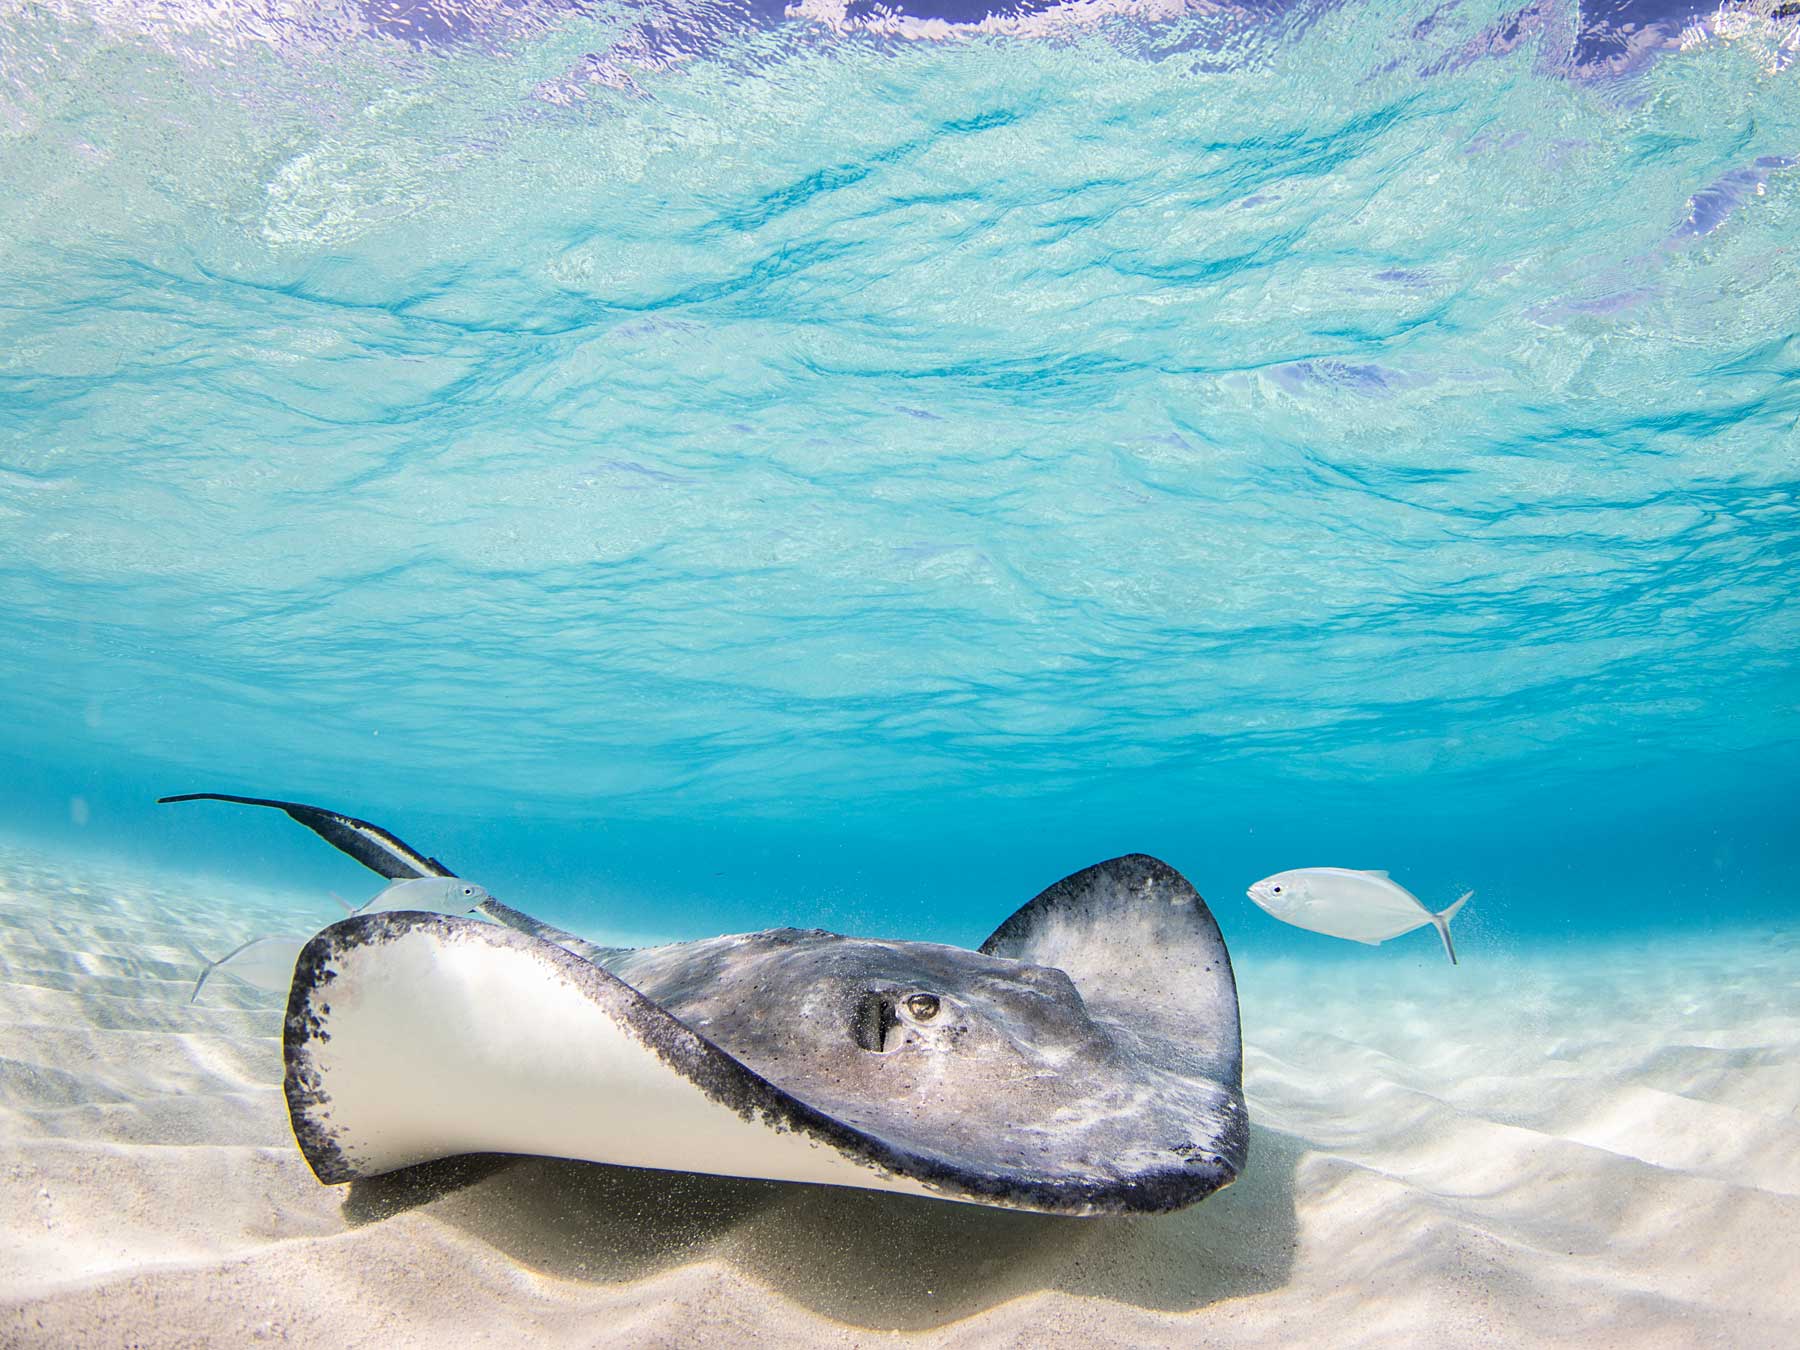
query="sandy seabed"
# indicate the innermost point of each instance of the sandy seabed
(1596, 1145)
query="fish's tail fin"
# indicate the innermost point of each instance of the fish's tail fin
(205, 970)
(211, 966)
(207, 966)
(1442, 920)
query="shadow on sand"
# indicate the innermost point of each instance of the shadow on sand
(882, 1262)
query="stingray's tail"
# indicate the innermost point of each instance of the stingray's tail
(383, 851)
(373, 847)
(1442, 920)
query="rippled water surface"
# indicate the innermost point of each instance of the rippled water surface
(853, 466)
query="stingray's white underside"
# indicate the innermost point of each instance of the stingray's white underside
(432, 1048)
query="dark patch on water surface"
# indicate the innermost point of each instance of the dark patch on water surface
(1710, 207)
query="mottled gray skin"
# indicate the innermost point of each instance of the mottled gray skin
(1018, 1069)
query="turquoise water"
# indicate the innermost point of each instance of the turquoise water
(701, 469)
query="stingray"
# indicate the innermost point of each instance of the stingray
(1086, 1059)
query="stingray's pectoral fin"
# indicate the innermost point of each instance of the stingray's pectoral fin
(412, 1037)
(1146, 955)
(1132, 929)
(372, 846)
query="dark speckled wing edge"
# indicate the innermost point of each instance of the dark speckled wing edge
(712, 1070)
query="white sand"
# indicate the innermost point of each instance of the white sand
(1595, 1146)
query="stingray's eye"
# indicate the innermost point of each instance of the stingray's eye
(923, 1007)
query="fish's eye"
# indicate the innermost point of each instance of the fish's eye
(1274, 890)
(923, 1007)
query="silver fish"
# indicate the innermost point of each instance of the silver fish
(267, 963)
(1366, 907)
(438, 895)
